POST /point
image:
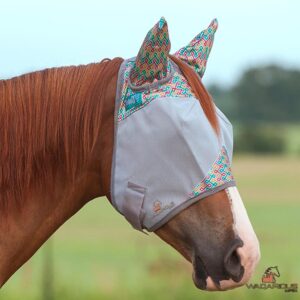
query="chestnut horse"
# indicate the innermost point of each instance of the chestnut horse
(57, 135)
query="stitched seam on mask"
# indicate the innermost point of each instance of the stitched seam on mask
(120, 82)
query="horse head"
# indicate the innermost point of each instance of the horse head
(145, 133)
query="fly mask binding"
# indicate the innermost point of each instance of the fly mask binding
(166, 155)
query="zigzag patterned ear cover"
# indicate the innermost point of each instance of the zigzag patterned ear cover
(152, 60)
(197, 51)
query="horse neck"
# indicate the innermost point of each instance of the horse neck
(26, 225)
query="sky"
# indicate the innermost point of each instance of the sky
(37, 34)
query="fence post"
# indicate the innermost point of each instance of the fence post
(47, 271)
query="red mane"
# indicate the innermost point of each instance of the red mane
(49, 121)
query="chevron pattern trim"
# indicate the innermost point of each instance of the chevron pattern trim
(196, 53)
(152, 60)
(219, 174)
(132, 101)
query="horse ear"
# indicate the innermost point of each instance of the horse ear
(152, 60)
(197, 51)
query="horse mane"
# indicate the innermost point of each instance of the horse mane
(49, 120)
(200, 92)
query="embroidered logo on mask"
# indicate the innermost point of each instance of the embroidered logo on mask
(134, 101)
(158, 207)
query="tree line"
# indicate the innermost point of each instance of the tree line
(262, 101)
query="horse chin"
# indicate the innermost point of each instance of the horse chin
(200, 274)
(205, 281)
(200, 283)
(210, 285)
(201, 278)
(206, 284)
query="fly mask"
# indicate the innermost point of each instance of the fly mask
(166, 154)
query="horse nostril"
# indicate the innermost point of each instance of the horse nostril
(232, 261)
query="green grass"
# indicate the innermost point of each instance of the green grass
(292, 132)
(97, 255)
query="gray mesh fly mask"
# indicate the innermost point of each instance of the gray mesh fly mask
(166, 154)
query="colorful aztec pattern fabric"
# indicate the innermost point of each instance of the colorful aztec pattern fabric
(219, 174)
(197, 51)
(152, 65)
(151, 62)
(132, 100)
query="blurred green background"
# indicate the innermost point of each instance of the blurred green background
(97, 255)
